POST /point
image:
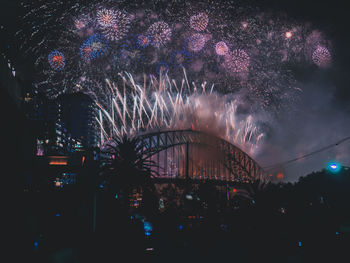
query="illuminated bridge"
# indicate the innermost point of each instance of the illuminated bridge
(188, 154)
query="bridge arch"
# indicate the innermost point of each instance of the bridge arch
(189, 154)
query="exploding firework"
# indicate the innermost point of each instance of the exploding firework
(196, 42)
(237, 61)
(256, 59)
(199, 22)
(159, 33)
(162, 104)
(143, 41)
(107, 17)
(56, 60)
(94, 47)
(114, 24)
(221, 48)
(321, 57)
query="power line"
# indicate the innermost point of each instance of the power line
(307, 155)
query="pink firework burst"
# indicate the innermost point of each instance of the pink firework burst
(237, 61)
(114, 24)
(321, 56)
(221, 48)
(159, 33)
(199, 22)
(106, 17)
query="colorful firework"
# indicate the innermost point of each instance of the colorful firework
(94, 47)
(237, 61)
(56, 60)
(159, 33)
(162, 104)
(322, 57)
(221, 48)
(114, 24)
(143, 41)
(199, 22)
(107, 17)
(196, 42)
(251, 52)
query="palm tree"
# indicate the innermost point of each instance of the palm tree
(125, 167)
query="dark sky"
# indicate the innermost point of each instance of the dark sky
(324, 109)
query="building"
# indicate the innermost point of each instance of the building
(77, 112)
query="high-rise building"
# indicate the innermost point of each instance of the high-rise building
(77, 112)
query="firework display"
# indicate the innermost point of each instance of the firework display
(245, 51)
(321, 57)
(221, 48)
(114, 24)
(237, 61)
(56, 60)
(143, 41)
(196, 42)
(160, 33)
(163, 104)
(199, 22)
(93, 47)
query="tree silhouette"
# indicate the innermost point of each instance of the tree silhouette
(125, 167)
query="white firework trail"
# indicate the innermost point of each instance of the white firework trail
(162, 104)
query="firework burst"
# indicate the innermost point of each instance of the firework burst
(321, 57)
(56, 60)
(114, 24)
(94, 47)
(199, 22)
(237, 61)
(221, 48)
(196, 42)
(159, 33)
(161, 104)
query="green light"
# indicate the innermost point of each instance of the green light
(334, 167)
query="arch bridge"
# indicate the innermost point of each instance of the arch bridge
(189, 154)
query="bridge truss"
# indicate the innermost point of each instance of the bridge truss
(188, 154)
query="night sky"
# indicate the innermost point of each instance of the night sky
(322, 114)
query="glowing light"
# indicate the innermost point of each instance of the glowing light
(334, 167)
(58, 160)
(56, 60)
(148, 228)
(280, 176)
(189, 197)
(288, 34)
